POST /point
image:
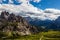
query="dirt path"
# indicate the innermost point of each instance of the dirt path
(41, 37)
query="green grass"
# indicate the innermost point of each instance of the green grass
(30, 37)
(50, 35)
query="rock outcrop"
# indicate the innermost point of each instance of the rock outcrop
(10, 24)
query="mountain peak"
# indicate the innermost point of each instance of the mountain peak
(15, 24)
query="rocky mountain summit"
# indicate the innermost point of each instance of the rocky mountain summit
(10, 24)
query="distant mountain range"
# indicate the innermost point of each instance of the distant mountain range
(48, 24)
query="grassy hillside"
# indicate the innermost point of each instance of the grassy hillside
(50, 35)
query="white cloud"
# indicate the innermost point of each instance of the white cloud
(25, 6)
(36, 0)
(50, 14)
(24, 1)
(51, 10)
(11, 2)
(18, 8)
(27, 9)
(29, 0)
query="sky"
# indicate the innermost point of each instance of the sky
(40, 9)
(48, 4)
(43, 4)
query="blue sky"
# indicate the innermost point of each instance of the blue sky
(43, 4)
(7, 1)
(48, 4)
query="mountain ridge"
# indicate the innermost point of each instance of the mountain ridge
(10, 24)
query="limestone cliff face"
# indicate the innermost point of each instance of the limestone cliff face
(11, 24)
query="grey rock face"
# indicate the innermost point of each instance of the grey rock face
(15, 25)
